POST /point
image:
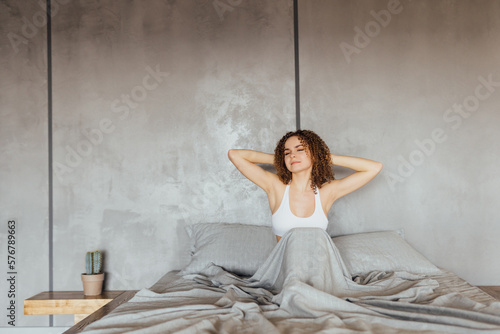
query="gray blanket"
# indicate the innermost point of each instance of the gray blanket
(303, 287)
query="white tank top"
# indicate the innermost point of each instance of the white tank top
(284, 220)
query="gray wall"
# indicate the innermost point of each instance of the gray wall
(23, 154)
(149, 96)
(410, 94)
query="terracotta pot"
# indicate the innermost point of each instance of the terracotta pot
(92, 284)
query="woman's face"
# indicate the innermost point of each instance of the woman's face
(297, 157)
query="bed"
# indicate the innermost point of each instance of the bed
(240, 280)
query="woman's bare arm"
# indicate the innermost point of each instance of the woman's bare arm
(365, 169)
(246, 160)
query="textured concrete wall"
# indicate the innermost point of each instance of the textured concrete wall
(403, 82)
(23, 157)
(149, 96)
(147, 101)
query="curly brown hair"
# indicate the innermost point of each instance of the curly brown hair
(319, 153)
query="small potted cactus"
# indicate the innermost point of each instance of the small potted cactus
(93, 278)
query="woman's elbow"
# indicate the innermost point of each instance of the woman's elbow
(231, 154)
(378, 167)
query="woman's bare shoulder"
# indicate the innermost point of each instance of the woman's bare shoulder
(275, 194)
(329, 185)
(276, 186)
(328, 193)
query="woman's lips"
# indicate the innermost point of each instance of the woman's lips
(295, 162)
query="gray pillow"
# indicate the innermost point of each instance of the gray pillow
(381, 251)
(237, 248)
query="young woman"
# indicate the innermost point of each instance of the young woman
(304, 189)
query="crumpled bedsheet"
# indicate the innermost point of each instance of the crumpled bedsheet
(303, 287)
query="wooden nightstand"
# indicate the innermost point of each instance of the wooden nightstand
(493, 290)
(68, 302)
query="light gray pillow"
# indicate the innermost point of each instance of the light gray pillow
(381, 251)
(237, 248)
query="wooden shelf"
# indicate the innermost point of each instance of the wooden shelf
(68, 302)
(492, 290)
(123, 298)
